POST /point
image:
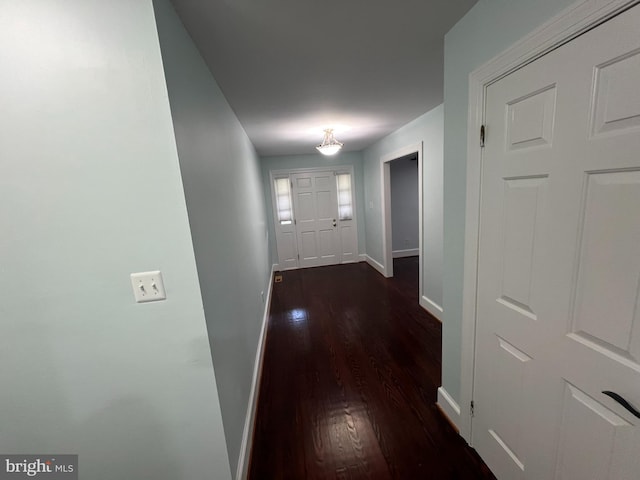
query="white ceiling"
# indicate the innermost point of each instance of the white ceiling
(290, 68)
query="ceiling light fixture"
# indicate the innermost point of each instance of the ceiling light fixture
(329, 145)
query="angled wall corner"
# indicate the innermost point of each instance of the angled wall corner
(225, 201)
(90, 192)
(426, 130)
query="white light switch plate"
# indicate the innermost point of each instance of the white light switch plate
(148, 286)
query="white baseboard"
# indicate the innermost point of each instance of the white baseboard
(378, 266)
(432, 307)
(362, 257)
(247, 434)
(409, 252)
(449, 406)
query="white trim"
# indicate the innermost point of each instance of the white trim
(385, 196)
(249, 422)
(285, 269)
(375, 264)
(408, 252)
(385, 189)
(328, 168)
(362, 257)
(449, 406)
(573, 21)
(432, 307)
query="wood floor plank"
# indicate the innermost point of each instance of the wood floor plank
(349, 383)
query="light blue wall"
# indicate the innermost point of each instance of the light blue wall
(90, 191)
(289, 162)
(404, 204)
(490, 27)
(223, 189)
(428, 129)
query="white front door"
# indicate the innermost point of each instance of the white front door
(315, 205)
(559, 264)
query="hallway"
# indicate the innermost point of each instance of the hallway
(348, 387)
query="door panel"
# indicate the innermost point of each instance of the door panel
(326, 204)
(522, 206)
(510, 382)
(348, 241)
(582, 416)
(305, 206)
(530, 119)
(559, 263)
(614, 110)
(327, 243)
(609, 263)
(287, 250)
(308, 246)
(512, 311)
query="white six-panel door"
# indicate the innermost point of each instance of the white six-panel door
(315, 203)
(559, 263)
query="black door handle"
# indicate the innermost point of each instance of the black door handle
(622, 402)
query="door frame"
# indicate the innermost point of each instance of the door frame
(273, 174)
(387, 247)
(385, 177)
(562, 28)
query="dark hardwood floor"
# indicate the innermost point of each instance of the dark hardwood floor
(348, 388)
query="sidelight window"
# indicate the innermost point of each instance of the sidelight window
(283, 200)
(345, 205)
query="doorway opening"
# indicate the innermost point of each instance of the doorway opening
(402, 155)
(404, 206)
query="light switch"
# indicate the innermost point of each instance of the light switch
(148, 286)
